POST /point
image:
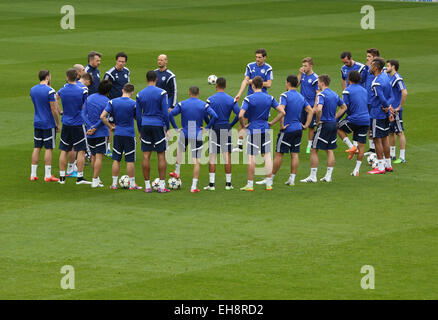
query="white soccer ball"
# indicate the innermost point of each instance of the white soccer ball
(156, 184)
(211, 79)
(124, 182)
(375, 164)
(174, 183)
(371, 159)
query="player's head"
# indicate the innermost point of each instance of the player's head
(323, 81)
(371, 54)
(257, 83)
(44, 75)
(354, 77)
(87, 79)
(71, 75)
(346, 58)
(377, 65)
(128, 89)
(121, 59)
(221, 83)
(307, 64)
(151, 76)
(94, 58)
(104, 87)
(193, 91)
(260, 56)
(291, 81)
(392, 66)
(162, 61)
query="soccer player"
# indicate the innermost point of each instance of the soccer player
(308, 80)
(85, 81)
(256, 108)
(349, 65)
(80, 70)
(326, 135)
(398, 98)
(220, 135)
(123, 111)
(46, 124)
(73, 129)
(153, 123)
(97, 133)
(291, 127)
(193, 112)
(380, 116)
(94, 59)
(166, 80)
(259, 68)
(355, 98)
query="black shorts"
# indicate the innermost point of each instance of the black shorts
(396, 126)
(379, 128)
(73, 137)
(219, 139)
(153, 138)
(98, 145)
(359, 132)
(325, 136)
(288, 142)
(195, 146)
(44, 138)
(258, 143)
(124, 144)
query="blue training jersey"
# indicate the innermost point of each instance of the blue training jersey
(309, 85)
(93, 107)
(123, 111)
(118, 79)
(257, 107)
(330, 102)
(193, 112)
(397, 86)
(83, 86)
(41, 95)
(223, 104)
(166, 80)
(294, 104)
(356, 98)
(151, 108)
(96, 79)
(381, 96)
(357, 66)
(72, 98)
(264, 71)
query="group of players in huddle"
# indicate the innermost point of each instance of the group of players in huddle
(93, 110)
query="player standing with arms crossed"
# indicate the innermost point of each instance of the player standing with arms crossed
(94, 59)
(166, 80)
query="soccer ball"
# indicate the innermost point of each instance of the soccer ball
(375, 164)
(156, 184)
(371, 159)
(211, 79)
(124, 182)
(174, 183)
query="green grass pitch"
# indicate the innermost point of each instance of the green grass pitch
(306, 242)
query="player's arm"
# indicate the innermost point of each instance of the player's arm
(54, 108)
(309, 111)
(138, 114)
(300, 75)
(172, 92)
(344, 84)
(243, 86)
(165, 109)
(269, 76)
(236, 110)
(280, 115)
(267, 84)
(58, 98)
(84, 115)
(104, 118)
(404, 95)
(213, 116)
(344, 106)
(175, 111)
(379, 93)
(318, 107)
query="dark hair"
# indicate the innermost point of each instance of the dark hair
(221, 83)
(257, 82)
(88, 76)
(309, 60)
(394, 63)
(346, 54)
(122, 54)
(71, 74)
(92, 54)
(128, 87)
(379, 63)
(151, 76)
(374, 52)
(104, 87)
(324, 78)
(293, 80)
(194, 90)
(43, 74)
(354, 77)
(262, 52)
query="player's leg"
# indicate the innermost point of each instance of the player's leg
(386, 153)
(196, 147)
(241, 133)
(310, 135)
(402, 142)
(294, 163)
(127, 145)
(115, 173)
(314, 162)
(213, 151)
(108, 150)
(392, 147)
(227, 159)
(278, 160)
(71, 165)
(146, 167)
(162, 171)
(97, 166)
(34, 163)
(268, 170)
(62, 165)
(330, 166)
(360, 135)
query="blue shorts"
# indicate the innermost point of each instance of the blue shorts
(325, 136)
(288, 142)
(359, 132)
(219, 139)
(124, 144)
(44, 138)
(379, 128)
(304, 119)
(396, 126)
(195, 146)
(98, 145)
(153, 138)
(258, 143)
(73, 137)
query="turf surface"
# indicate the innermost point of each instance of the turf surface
(306, 242)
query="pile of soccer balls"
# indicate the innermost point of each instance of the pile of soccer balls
(172, 184)
(372, 160)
